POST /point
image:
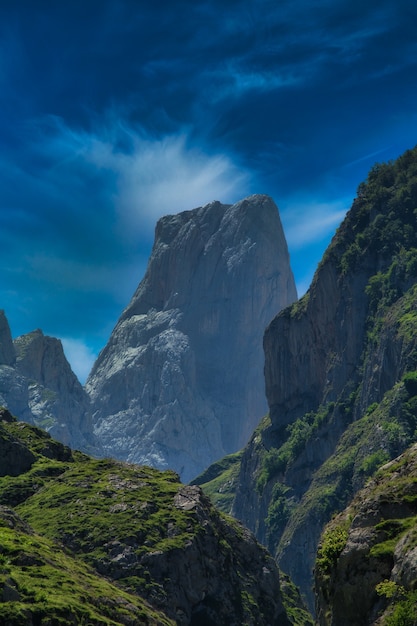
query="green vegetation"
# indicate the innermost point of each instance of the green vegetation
(102, 499)
(298, 308)
(372, 462)
(404, 612)
(42, 583)
(294, 607)
(387, 514)
(219, 481)
(279, 511)
(383, 217)
(389, 589)
(78, 523)
(366, 444)
(410, 382)
(333, 541)
(276, 460)
(391, 530)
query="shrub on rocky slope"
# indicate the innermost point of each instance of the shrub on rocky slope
(366, 568)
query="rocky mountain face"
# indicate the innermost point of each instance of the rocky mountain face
(73, 527)
(180, 382)
(334, 366)
(366, 569)
(37, 383)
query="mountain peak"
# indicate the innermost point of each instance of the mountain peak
(180, 382)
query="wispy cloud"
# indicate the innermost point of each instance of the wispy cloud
(153, 176)
(309, 222)
(366, 157)
(82, 225)
(167, 175)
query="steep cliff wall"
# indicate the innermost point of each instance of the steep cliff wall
(328, 359)
(180, 382)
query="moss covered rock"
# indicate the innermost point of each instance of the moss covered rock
(113, 543)
(366, 567)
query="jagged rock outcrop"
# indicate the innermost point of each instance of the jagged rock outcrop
(366, 569)
(328, 359)
(37, 383)
(163, 543)
(180, 382)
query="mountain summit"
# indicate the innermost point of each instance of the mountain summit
(180, 382)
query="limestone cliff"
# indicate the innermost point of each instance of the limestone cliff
(330, 361)
(37, 383)
(180, 382)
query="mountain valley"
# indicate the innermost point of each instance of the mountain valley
(322, 473)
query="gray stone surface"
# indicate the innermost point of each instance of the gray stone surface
(38, 386)
(180, 382)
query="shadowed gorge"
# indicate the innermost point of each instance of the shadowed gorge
(334, 366)
(326, 480)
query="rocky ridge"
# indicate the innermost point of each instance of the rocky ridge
(366, 571)
(180, 382)
(173, 557)
(334, 366)
(37, 383)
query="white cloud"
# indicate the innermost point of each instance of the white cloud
(80, 357)
(164, 176)
(154, 176)
(309, 222)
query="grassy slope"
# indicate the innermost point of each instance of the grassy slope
(219, 481)
(68, 518)
(39, 579)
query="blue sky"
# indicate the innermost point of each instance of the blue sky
(116, 112)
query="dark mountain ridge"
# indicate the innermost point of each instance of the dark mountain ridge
(331, 360)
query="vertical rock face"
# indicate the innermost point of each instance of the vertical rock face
(329, 359)
(180, 382)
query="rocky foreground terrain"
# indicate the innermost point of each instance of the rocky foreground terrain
(103, 542)
(366, 572)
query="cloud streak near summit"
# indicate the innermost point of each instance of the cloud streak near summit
(116, 112)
